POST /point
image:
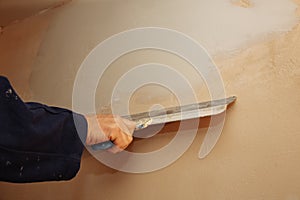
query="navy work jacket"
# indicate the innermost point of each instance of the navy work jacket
(38, 142)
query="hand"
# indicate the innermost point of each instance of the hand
(102, 128)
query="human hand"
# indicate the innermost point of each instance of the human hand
(103, 128)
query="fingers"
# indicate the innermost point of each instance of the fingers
(120, 144)
(121, 138)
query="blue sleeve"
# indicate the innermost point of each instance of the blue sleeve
(38, 142)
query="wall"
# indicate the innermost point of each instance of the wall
(14, 10)
(257, 156)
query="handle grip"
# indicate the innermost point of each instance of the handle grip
(102, 146)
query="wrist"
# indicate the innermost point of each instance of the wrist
(89, 120)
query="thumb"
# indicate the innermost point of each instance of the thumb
(130, 125)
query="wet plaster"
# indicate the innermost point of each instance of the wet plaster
(257, 156)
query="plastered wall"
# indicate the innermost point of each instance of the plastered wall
(257, 156)
(13, 10)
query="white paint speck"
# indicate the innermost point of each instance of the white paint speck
(8, 92)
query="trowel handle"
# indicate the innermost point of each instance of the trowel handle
(102, 146)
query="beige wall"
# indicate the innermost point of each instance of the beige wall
(257, 156)
(14, 10)
(19, 44)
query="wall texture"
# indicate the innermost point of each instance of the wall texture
(14, 10)
(257, 156)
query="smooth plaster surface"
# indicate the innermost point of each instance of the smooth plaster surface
(257, 156)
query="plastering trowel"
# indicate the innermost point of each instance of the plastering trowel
(173, 114)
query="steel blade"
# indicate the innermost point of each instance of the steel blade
(178, 113)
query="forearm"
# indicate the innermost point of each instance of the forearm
(42, 143)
